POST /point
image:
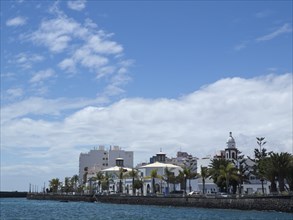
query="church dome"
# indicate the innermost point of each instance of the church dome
(230, 141)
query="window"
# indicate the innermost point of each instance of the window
(233, 155)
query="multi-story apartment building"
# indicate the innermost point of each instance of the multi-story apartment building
(100, 158)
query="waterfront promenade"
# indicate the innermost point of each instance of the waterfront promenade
(276, 203)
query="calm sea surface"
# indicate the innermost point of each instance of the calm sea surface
(21, 208)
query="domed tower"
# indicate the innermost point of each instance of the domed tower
(231, 150)
(161, 157)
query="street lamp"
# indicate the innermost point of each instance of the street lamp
(239, 185)
(185, 184)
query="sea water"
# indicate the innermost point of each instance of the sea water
(21, 208)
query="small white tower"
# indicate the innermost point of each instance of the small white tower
(231, 150)
(161, 157)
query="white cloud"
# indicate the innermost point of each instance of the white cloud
(14, 92)
(42, 75)
(55, 33)
(77, 5)
(264, 13)
(201, 120)
(41, 106)
(241, 46)
(68, 64)
(17, 21)
(84, 47)
(27, 59)
(286, 28)
(198, 123)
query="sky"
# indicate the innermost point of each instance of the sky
(144, 75)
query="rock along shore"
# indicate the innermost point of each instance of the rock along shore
(279, 203)
(15, 194)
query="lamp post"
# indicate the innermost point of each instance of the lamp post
(239, 185)
(185, 184)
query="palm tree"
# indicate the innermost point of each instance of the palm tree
(228, 173)
(269, 172)
(281, 163)
(138, 184)
(105, 182)
(189, 174)
(121, 176)
(168, 176)
(67, 184)
(214, 172)
(74, 180)
(204, 173)
(99, 177)
(54, 184)
(133, 174)
(153, 175)
(289, 176)
(85, 175)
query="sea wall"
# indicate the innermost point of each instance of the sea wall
(60, 197)
(282, 204)
(15, 194)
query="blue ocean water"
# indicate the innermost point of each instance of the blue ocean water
(21, 208)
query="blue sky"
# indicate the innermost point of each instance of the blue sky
(143, 75)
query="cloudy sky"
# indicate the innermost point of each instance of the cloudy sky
(141, 75)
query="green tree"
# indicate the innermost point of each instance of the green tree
(260, 154)
(189, 174)
(289, 176)
(243, 171)
(105, 183)
(132, 174)
(214, 171)
(121, 173)
(269, 172)
(168, 176)
(74, 181)
(137, 184)
(228, 173)
(99, 177)
(281, 163)
(55, 184)
(154, 174)
(85, 175)
(204, 173)
(67, 185)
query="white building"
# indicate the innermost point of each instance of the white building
(160, 165)
(231, 153)
(100, 158)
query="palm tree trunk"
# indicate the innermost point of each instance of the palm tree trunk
(262, 186)
(281, 183)
(189, 186)
(273, 187)
(203, 185)
(120, 186)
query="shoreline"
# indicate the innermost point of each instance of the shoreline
(266, 203)
(13, 194)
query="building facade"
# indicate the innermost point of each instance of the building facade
(100, 158)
